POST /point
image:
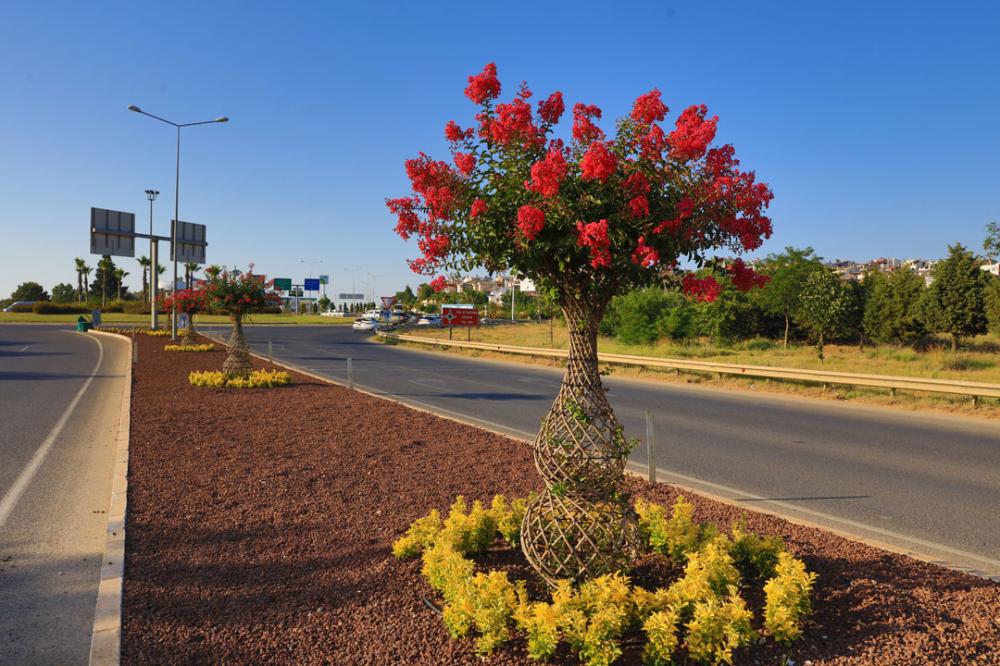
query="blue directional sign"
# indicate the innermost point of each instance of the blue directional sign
(311, 284)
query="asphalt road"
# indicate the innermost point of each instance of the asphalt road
(60, 402)
(925, 484)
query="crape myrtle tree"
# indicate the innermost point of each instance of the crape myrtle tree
(589, 217)
(238, 296)
(191, 301)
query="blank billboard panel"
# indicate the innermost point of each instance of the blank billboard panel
(112, 232)
(191, 242)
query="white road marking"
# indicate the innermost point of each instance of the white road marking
(25, 348)
(23, 480)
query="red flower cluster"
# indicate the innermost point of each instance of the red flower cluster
(684, 208)
(649, 108)
(598, 162)
(639, 207)
(407, 219)
(745, 278)
(435, 181)
(546, 174)
(478, 208)
(484, 86)
(693, 133)
(644, 255)
(453, 132)
(465, 163)
(637, 184)
(513, 123)
(438, 283)
(584, 130)
(701, 289)
(550, 110)
(434, 247)
(594, 235)
(530, 221)
(191, 301)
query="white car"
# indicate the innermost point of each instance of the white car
(363, 325)
(429, 321)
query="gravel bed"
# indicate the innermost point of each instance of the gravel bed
(260, 525)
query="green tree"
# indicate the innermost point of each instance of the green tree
(63, 293)
(105, 281)
(677, 322)
(120, 274)
(406, 297)
(954, 303)
(906, 291)
(145, 263)
(29, 291)
(732, 316)
(80, 265)
(638, 313)
(991, 246)
(991, 301)
(86, 270)
(788, 272)
(824, 306)
(877, 309)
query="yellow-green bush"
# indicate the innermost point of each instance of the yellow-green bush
(787, 599)
(134, 330)
(189, 348)
(256, 379)
(701, 611)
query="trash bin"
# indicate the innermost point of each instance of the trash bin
(82, 324)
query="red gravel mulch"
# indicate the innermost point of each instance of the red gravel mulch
(261, 521)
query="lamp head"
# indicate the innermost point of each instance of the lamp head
(222, 119)
(151, 194)
(133, 107)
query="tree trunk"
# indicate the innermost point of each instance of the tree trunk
(238, 360)
(954, 342)
(820, 347)
(189, 338)
(79, 287)
(582, 525)
(787, 323)
(145, 286)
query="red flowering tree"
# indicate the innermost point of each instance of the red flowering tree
(590, 217)
(191, 301)
(238, 296)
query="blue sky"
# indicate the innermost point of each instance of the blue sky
(876, 124)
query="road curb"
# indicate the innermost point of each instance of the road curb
(105, 644)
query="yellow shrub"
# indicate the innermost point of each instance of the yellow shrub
(708, 573)
(446, 570)
(677, 536)
(718, 627)
(421, 535)
(469, 531)
(540, 621)
(751, 551)
(787, 598)
(509, 516)
(661, 634)
(189, 348)
(257, 379)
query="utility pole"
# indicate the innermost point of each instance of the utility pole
(154, 276)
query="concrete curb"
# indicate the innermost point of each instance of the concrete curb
(105, 644)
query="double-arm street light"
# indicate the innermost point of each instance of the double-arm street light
(177, 195)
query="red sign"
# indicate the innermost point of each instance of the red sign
(451, 316)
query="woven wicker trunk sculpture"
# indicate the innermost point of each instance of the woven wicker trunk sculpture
(582, 525)
(238, 359)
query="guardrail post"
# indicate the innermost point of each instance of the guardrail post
(350, 373)
(270, 352)
(650, 448)
(135, 351)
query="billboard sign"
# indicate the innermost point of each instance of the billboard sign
(459, 315)
(352, 297)
(311, 284)
(112, 232)
(190, 239)
(283, 284)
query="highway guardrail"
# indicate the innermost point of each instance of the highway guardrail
(893, 383)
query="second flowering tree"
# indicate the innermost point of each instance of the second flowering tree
(589, 216)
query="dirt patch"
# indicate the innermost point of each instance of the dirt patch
(261, 521)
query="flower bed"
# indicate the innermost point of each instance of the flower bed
(133, 330)
(256, 379)
(189, 348)
(260, 533)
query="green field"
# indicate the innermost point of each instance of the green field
(115, 318)
(978, 361)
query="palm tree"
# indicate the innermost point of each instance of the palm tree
(120, 274)
(105, 266)
(85, 269)
(212, 272)
(145, 262)
(80, 264)
(190, 268)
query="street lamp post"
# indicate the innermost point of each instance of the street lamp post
(373, 276)
(354, 286)
(177, 198)
(154, 276)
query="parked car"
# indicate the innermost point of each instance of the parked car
(429, 320)
(363, 325)
(10, 308)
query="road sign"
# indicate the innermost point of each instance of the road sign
(112, 232)
(311, 284)
(459, 315)
(388, 301)
(324, 279)
(352, 297)
(283, 284)
(190, 238)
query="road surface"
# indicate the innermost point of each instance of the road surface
(60, 403)
(925, 484)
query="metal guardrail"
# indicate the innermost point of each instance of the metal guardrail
(951, 386)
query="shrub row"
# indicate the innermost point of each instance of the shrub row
(701, 612)
(189, 348)
(256, 379)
